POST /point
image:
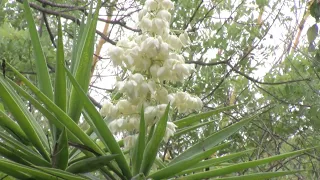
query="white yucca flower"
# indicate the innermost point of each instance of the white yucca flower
(166, 4)
(151, 5)
(170, 130)
(150, 59)
(174, 42)
(184, 38)
(109, 110)
(129, 141)
(185, 103)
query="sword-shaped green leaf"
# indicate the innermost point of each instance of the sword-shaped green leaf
(61, 152)
(60, 173)
(13, 172)
(53, 119)
(215, 161)
(190, 128)
(83, 62)
(261, 176)
(172, 170)
(13, 128)
(90, 164)
(196, 118)
(62, 117)
(44, 81)
(153, 145)
(240, 166)
(12, 154)
(140, 145)
(15, 168)
(60, 88)
(212, 140)
(101, 128)
(24, 118)
(24, 151)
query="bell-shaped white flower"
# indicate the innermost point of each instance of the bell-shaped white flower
(161, 109)
(108, 110)
(150, 47)
(161, 95)
(154, 70)
(150, 115)
(167, 4)
(174, 42)
(130, 123)
(184, 102)
(116, 55)
(179, 58)
(182, 71)
(184, 38)
(196, 103)
(125, 43)
(142, 12)
(129, 141)
(164, 74)
(165, 15)
(116, 125)
(170, 130)
(145, 24)
(164, 51)
(125, 107)
(137, 77)
(159, 26)
(152, 5)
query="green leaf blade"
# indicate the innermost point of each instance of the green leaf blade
(215, 161)
(261, 176)
(62, 117)
(61, 152)
(140, 145)
(60, 92)
(24, 118)
(90, 164)
(14, 129)
(195, 118)
(174, 169)
(212, 140)
(241, 166)
(44, 80)
(82, 68)
(153, 145)
(101, 127)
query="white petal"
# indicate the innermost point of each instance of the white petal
(165, 15)
(167, 4)
(184, 38)
(152, 5)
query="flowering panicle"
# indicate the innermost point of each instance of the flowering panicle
(150, 59)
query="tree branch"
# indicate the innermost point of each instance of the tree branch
(66, 16)
(265, 83)
(207, 64)
(46, 2)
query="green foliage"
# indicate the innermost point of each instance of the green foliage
(312, 33)
(315, 10)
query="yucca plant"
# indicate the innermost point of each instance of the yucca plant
(70, 152)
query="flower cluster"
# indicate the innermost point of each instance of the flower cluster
(151, 58)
